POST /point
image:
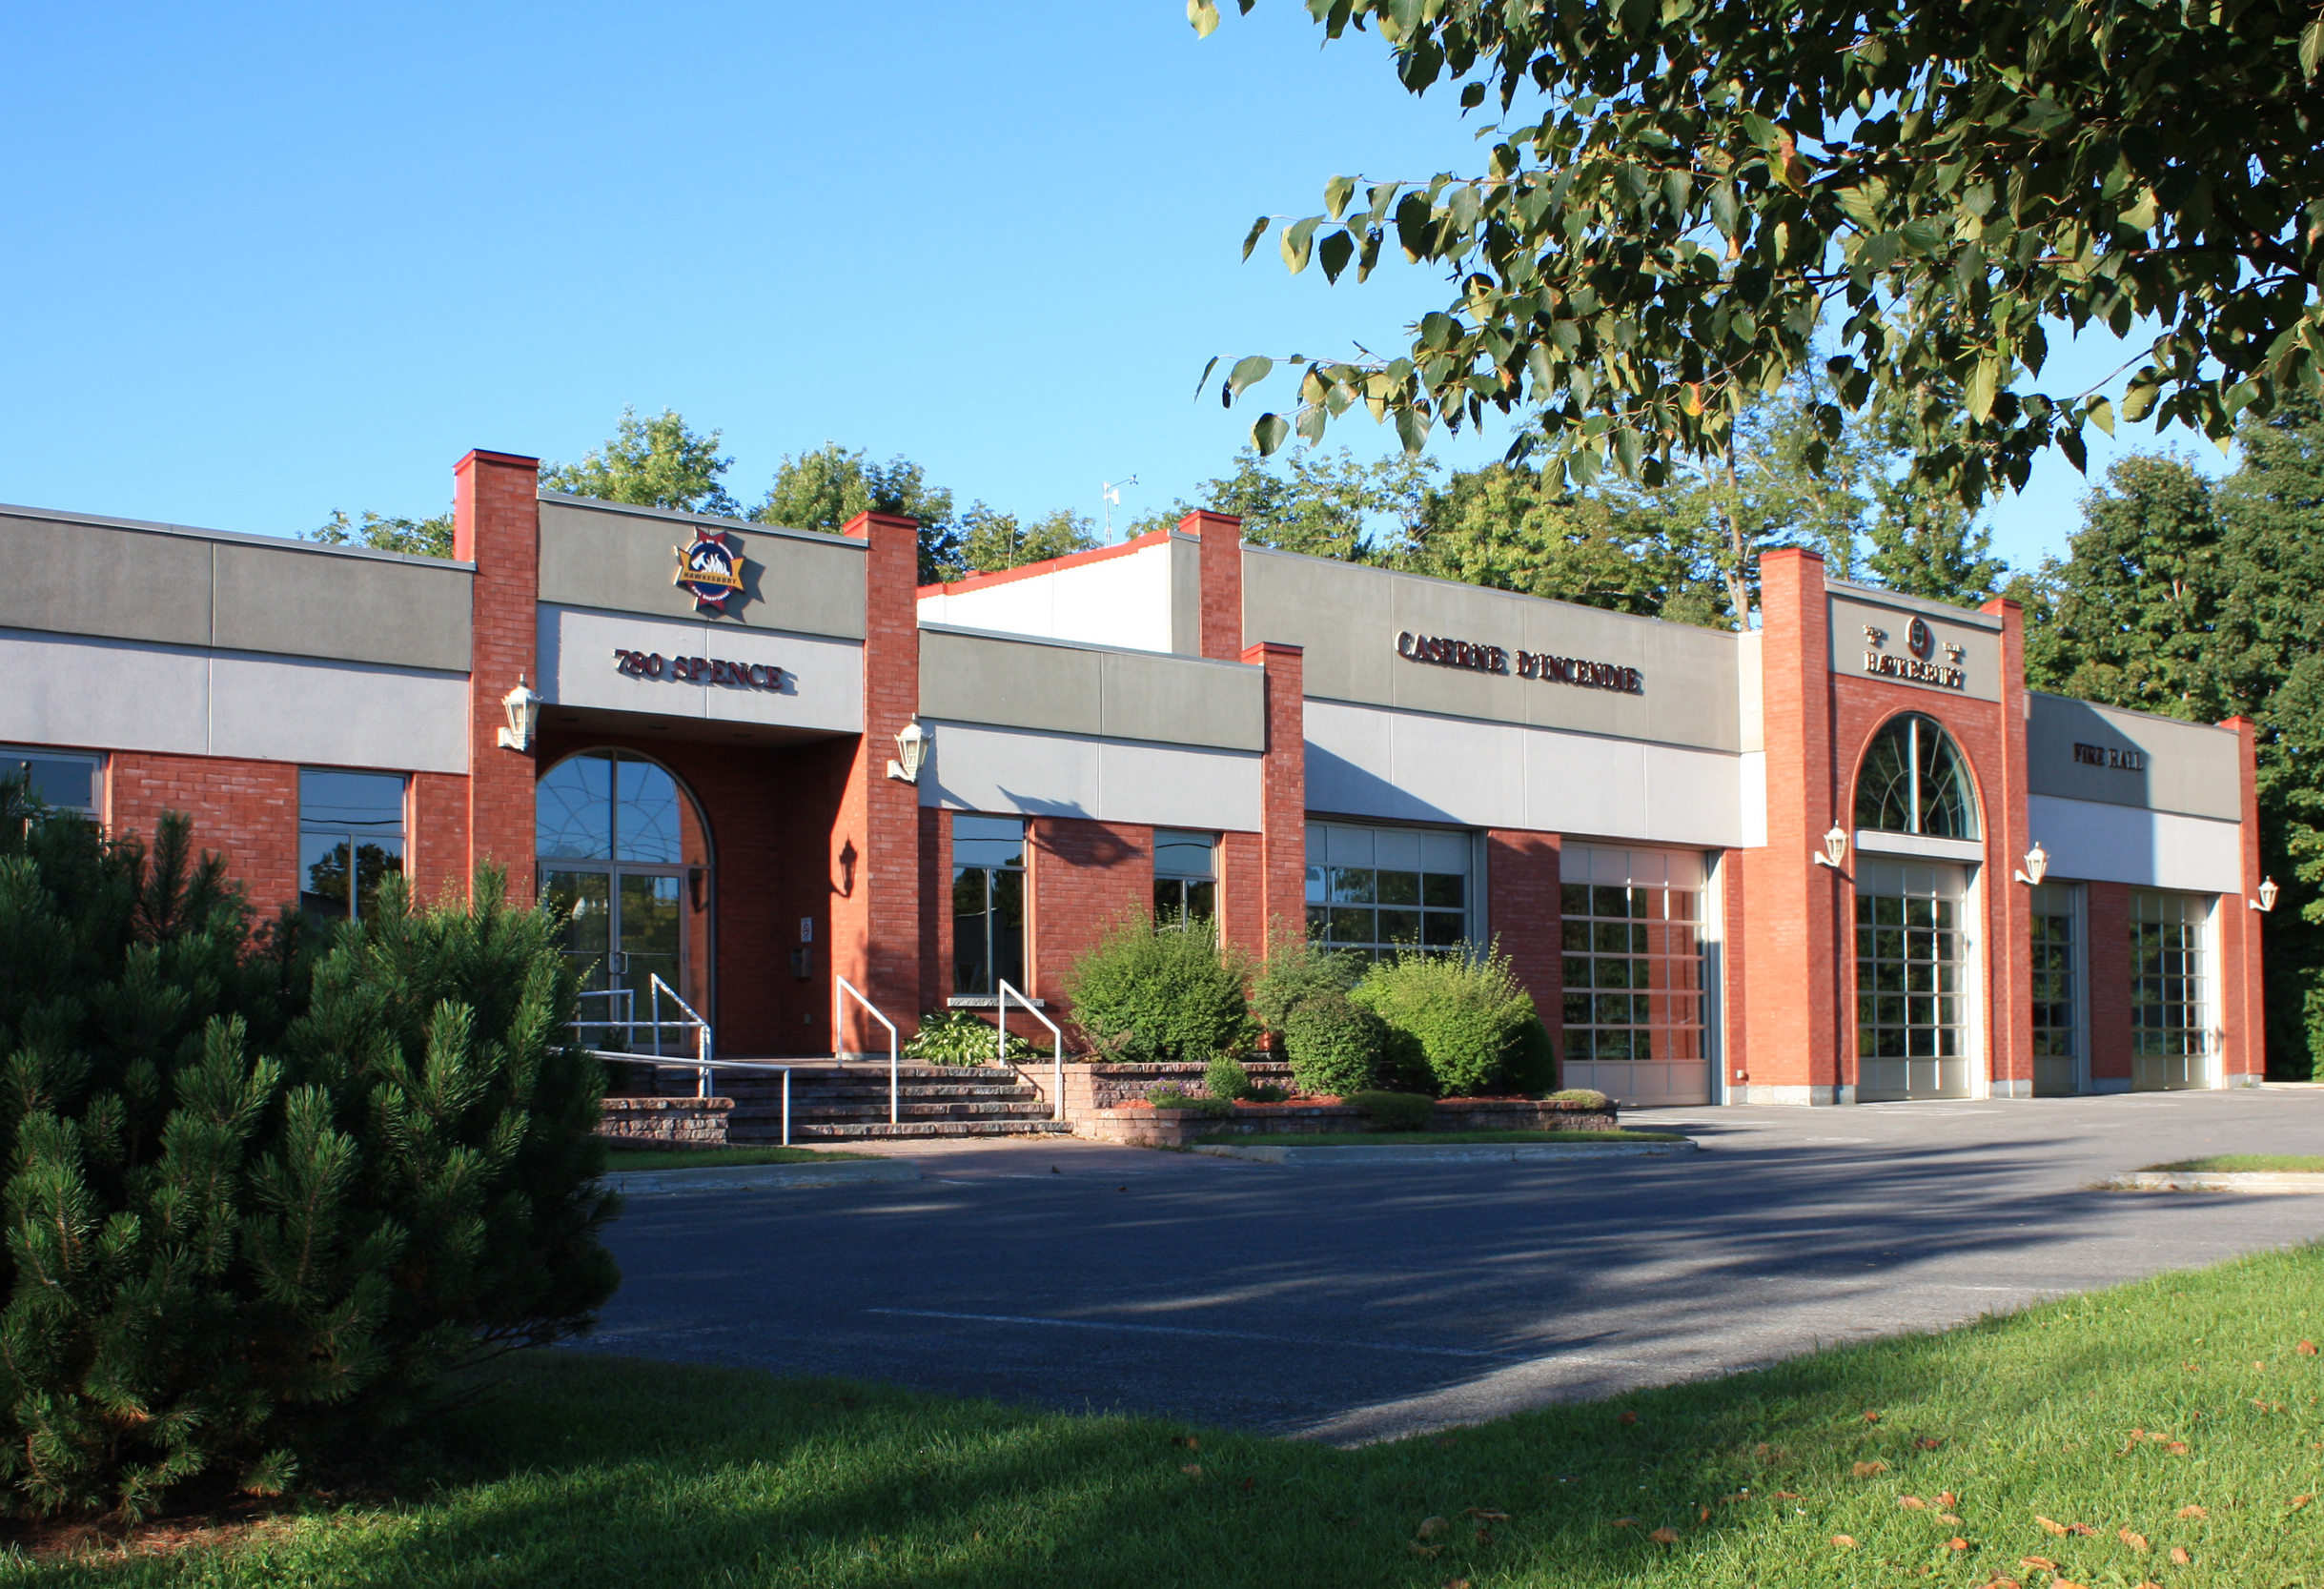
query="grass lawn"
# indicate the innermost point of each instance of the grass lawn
(1373, 1139)
(713, 1158)
(2165, 1432)
(2225, 1163)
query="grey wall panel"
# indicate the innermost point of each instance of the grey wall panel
(822, 679)
(1853, 611)
(2099, 842)
(2189, 767)
(1185, 595)
(302, 603)
(977, 768)
(1172, 701)
(115, 583)
(1014, 683)
(622, 559)
(1348, 617)
(129, 695)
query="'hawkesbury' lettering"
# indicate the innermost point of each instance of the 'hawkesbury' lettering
(1523, 665)
(1882, 665)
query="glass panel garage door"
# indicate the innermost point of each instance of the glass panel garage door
(1914, 1020)
(2170, 993)
(1634, 1012)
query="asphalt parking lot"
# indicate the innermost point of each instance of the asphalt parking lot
(1350, 1305)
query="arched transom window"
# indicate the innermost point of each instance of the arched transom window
(1914, 781)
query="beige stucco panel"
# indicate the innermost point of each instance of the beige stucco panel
(1978, 635)
(978, 767)
(2191, 768)
(625, 560)
(102, 694)
(301, 603)
(1336, 612)
(92, 579)
(823, 685)
(337, 714)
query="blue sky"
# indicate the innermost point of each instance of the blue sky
(267, 262)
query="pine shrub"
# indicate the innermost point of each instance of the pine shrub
(262, 1198)
(1155, 993)
(1455, 1023)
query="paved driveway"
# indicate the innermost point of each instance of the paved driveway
(1348, 1305)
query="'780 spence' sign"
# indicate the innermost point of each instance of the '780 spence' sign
(1525, 665)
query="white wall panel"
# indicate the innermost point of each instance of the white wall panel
(974, 768)
(1410, 766)
(188, 701)
(823, 688)
(2102, 842)
(1122, 600)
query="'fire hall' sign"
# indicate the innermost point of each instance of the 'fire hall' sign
(1525, 665)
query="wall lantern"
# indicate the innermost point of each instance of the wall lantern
(2265, 904)
(522, 705)
(2037, 865)
(1835, 849)
(911, 749)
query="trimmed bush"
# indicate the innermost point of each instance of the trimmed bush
(260, 1202)
(963, 1037)
(1172, 1099)
(1301, 997)
(1396, 1111)
(1453, 1021)
(1158, 994)
(1589, 1096)
(1224, 1077)
(1533, 1060)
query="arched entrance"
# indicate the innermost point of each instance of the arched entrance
(623, 851)
(1916, 943)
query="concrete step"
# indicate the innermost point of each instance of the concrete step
(1032, 1109)
(995, 1088)
(754, 1133)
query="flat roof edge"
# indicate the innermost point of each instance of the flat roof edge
(2133, 711)
(238, 537)
(1086, 645)
(678, 516)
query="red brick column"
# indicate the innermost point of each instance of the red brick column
(1221, 536)
(1524, 913)
(875, 842)
(1242, 891)
(496, 524)
(1735, 986)
(1283, 796)
(436, 850)
(936, 906)
(2243, 1058)
(1795, 912)
(2106, 961)
(2008, 903)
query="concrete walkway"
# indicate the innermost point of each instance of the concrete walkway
(1350, 1305)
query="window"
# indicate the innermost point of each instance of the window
(1185, 876)
(1633, 962)
(608, 806)
(350, 839)
(1375, 890)
(988, 905)
(61, 779)
(2170, 1019)
(2055, 990)
(1913, 781)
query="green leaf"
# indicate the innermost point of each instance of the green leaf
(1335, 193)
(1296, 243)
(1335, 251)
(1268, 434)
(2139, 400)
(1203, 14)
(2102, 414)
(1982, 382)
(1251, 238)
(1205, 379)
(1412, 428)
(2312, 48)
(1248, 370)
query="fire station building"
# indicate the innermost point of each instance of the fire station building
(1845, 856)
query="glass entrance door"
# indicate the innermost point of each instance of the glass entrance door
(1914, 1020)
(622, 928)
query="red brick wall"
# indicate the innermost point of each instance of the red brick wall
(1085, 876)
(496, 524)
(1525, 913)
(1283, 800)
(436, 845)
(1222, 582)
(2242, 983)
(1242, 891)
(936, 907)
(875, 840)
(1734, 986)
(2107, 962)
(246, 811)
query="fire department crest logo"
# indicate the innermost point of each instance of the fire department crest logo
(1919, 638)
(708, 570)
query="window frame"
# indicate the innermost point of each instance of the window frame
(350, 835)
(990, 872)
(1326, 908)
(96, 761)
(1915, 802)
(1176, 891)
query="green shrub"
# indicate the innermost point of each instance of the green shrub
(1170, 1097)
(1224, 1077)
(964, 1037)
(1396, 1111)
(1453, 1021)
(1296, 970)
(1532, 1068)
(1301, 997)
(1589, 1096)
(258, 1202)
(1149, 993)
(1268, 1092)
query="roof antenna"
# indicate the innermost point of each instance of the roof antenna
(1112, 492)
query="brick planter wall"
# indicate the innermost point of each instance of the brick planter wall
(666, 1122)
(1177, 1127)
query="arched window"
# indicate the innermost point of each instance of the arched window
(1914, 781)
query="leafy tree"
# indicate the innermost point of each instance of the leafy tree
(823, 489)
(992, 540)
(256, 1204)
(420, 538)
(1683, 198)
(1325, 505)
(656, 462)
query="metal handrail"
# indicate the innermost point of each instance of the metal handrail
(702, 1029)
(1058, 1053)
(723, 1065)
(895, 1112)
